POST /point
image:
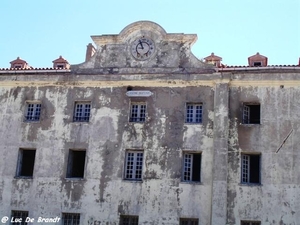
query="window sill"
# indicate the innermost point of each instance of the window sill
(74, 179)
(31, 121)
(250, 184)
(185, 123)
(23, 177)
(191, 182)
(132, 181)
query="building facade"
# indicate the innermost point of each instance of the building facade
(143, 132)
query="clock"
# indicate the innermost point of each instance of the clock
(142, 48)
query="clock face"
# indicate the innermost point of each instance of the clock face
(142, 48)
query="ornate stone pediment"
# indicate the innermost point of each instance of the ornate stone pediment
(144, 47)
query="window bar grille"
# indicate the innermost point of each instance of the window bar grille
(245, 168)
(187, 167)
(33, 112)
(82, 112)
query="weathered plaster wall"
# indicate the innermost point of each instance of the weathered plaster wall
(175, 76)
(161, 198)
(277, 199)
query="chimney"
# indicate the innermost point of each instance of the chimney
(90, 51)
(257, 60)
(213, 59)
(19, 64)
(60, 63)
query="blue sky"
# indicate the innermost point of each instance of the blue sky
(41, 31)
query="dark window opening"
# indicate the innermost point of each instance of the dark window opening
(251, 114)
(26, 163)
(251, 169)
(188, 221)
(192, 167)
(257, 64)
(70, 219)
(76, 164)
(17, 215)
(60, 66)
(129, 220)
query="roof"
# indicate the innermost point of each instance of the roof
(257, 57)
(19, 61)
(60, 60)
(213, 57)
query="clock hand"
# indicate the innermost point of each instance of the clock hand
(141, 43)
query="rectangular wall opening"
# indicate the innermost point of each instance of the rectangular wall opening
(26, 163)
(250, 169)
(251, 114)
(76, 163)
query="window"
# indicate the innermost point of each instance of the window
(250, 222)
(82, 112)
(16, 216)
(18, 66)
(193, 113)
(134, 165)
(76, 164)
(257, 63)
(129, 220)
(137, 112)
(70, 218)
(25, 163)
(250, 169)
(191, 167)
(251, 114)
(60, 66)
(188, 221)
(33, 111)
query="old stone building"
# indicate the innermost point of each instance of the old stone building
(143, 132)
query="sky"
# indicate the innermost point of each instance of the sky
(40, 31)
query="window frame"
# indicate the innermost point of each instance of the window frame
(141, 117)
(70, 164)
(248, 156)
(60, 66)
(20, 163)
(36, 111)
(185, 169)
(188, 221)
(135, 165)
(63, 222)
(257, 62)
(130, 218)
(246, 113)
(18, 66)
(18, 217)
(82, 118)
(250, 222)
(194, 113)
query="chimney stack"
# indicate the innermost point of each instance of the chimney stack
(90, 51)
